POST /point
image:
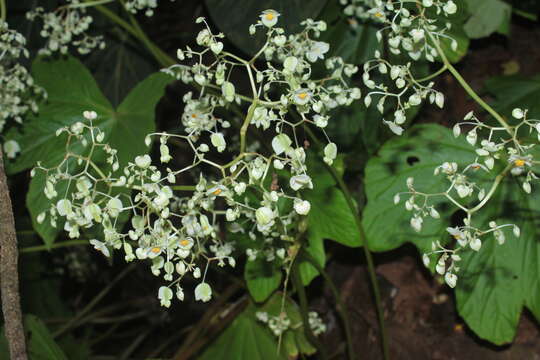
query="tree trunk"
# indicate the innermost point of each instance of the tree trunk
(9, 278)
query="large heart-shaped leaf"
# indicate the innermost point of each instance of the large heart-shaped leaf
(247, 338)
(329, 218)
(495, 282)
(487, 17)
(72, 90)
(262, 278)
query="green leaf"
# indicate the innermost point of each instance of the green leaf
(355, 45)
(244, 339)
(72, 90)
(487, 17)
(247, 338)
(233, 18)
(41, 344)
(329, 218)
(415, 154)
(262, 278)
(495, 282)
(515, 91)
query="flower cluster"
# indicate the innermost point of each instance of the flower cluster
(18, 92)
(67, 25)
(258, 194)
(504, 145)
(280, 323)
(147, 6)
(415, 28)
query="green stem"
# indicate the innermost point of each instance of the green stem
(434, 75)
(468, 89)
(184, 187)
(245, 125)
(159, 55)
(3, 11)
(297, 280)
(367, 253)
(62, 244)
(89, 4)
(340, 305)
(525, 14)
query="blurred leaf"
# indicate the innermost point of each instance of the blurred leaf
(247, 338)
(244, 339)
(41, 345)
(262, 278)
(495, 282)
(329, 218)
(355, 44)
(72, 90)
(515, 91)
(415, 154)
(119, 67)
(233, 18)
(487, 17)
(456, 32)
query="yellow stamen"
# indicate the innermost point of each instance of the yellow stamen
(269, 16)
(194, 115)
(155, 249)
(302, 95)
(184, 242)
(378, 14)
(519, 162)
(217, 192)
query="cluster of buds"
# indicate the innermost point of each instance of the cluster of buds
(134, 6)
(255, 193)
(67, 25)
(18, 92)
(415, 28)
(280, 323)
(493, 145)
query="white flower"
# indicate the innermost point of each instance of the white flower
(228, 91)
(416, 223)
(11, 148)
(302, 96)
(425, 260)
(300, 181)
(317, 51)
(450, 279)
(165, 157)
(218, 141)
(290, 64)
(100, 246)
(475, 244)
(63, 207)
(269, 17)
(203, 292)
(417, 34)
(114, 206)
(330, 153)
(90, 115)
(396, 129)
(264, 215)
(518, 113)
(302, 207)
(165, 295)
(143, 161)
(450, 7)
(320, 121)
(281, 143)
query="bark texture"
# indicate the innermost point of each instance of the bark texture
(9, 276)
